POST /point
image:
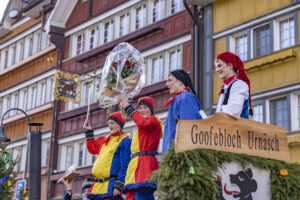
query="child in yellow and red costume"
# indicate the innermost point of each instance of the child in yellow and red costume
(112, 161)
(143, 148)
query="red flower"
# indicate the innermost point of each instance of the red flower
(114, 64)
(127, 63)
(26, 189)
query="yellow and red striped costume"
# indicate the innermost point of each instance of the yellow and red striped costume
(146, 138)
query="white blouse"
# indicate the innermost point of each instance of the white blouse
(239, 93)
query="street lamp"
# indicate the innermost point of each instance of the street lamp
(34, 149)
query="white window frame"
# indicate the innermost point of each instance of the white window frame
(153, 57)
(33, 96)
(232, 42)
(167, 60)
(49, 89)
(126, 13)
(82, 142)
(15, 101)
(36, 43)
(12, 55)
(295, 115)
(255, 104)
(276, 31)
(83, 43)
(268, 107)
(23, 103)
(4, 59)
(180, 7)
(102, 30)
(133, 14)
(29, 46)
(41, 93)
(161, 13)
(96, 37)
(20, 50)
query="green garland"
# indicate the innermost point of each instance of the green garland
(189, 175)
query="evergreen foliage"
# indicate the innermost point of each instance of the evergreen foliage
(189, 175)
(7, 173)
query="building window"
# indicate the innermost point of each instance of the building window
(16, 101)
(279, 112)
(24, 106)
(38, 42)
(93, 38)
(287, 33)
(262, 40)
(80, 44)
(43, 93)
(8, 106)
(176, 6)
(47, 153)
(158, 10)
(108, 31)
(174, 60)
(140, 17)
(33, 97)
(18, 156)
(257, 112)
(69, 156)
(241, 46)
(30, 46)
(13, 55)
(81, 158)
(21, 51)
(5, 59)
(157, 70)
(124, 25)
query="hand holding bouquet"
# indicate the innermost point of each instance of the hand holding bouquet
(123, 75)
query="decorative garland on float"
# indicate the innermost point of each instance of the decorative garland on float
(189, 175)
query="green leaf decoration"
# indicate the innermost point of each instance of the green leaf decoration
(175, 182)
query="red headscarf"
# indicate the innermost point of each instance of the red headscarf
(238, 66)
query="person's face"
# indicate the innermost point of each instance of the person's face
(174, 85)
(113, 126)
(144, 110)
(224, 69)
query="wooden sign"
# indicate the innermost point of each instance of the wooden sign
(224, 133)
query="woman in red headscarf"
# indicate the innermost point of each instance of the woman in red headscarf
(235, 98)
(143, 150)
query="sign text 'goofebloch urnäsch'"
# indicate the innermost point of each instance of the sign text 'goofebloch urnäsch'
(224, 133)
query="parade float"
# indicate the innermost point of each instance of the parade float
(224, 158)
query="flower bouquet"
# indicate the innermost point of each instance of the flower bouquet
(122, 76)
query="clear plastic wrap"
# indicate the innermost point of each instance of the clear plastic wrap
(123, 75)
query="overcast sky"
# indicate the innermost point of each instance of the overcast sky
(3, 4)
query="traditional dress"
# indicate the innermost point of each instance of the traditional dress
(143, 148)
(235, 98)
(111, 164)
(185, 106)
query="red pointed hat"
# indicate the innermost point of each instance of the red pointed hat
(118, 118)
(148, 101)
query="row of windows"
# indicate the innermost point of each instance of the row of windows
(23, 48)
(264, 39)
(158, 67)
(278, 112)
(28, 98)
(19, 153)
(122, 23)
